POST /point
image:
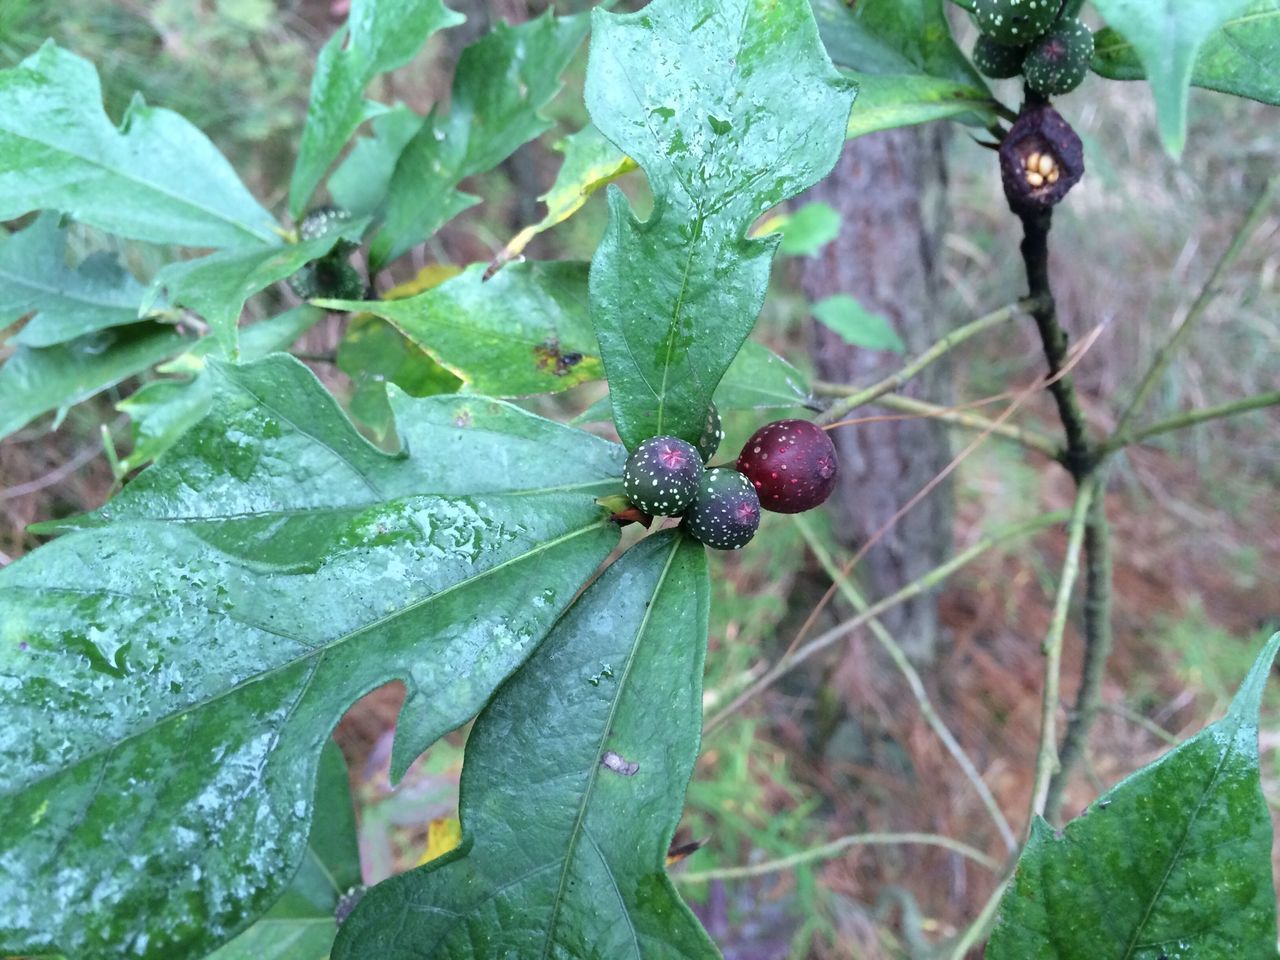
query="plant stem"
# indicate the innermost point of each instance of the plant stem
(1047, 763)
(916, 587)
(914, 682)
(1031, 439)
(1097, 627)
(854, 398)
(835, 847)
(1188, 419)
(1035, 257)
(1164, 356)
(981, 923)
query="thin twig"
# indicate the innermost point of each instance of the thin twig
(915, 588)
(54, 476)
(899, 658)
(857, 397)
(1188, 419)
(1047, 755)
(1097, 628)
(1164, 356)
(1075, 356)
(828, 850)
(981, 923)
(973, 421)
(1138, 720)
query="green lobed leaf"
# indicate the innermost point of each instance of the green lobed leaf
(361, 182)
(64, 303)
(516, 334)
(1173, 861)
(856, 325)
(217, 286)
(173, 665)
(36, 380)
(155, 178)
(758, 379)
(1167, 38)
(1241, 57)
(590, 162)
(502, 82)
(754, 114)
(163, 410)
(886, 101)
(379, 35)
(573, 785)
(373, 354)
(301, 925)
(894, 37)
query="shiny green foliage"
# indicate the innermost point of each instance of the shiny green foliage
(894, 37)
(380, 35)
(730, 108)
(217, 286)
(1174, 861)
(35, 380)
(1241, 57)
(155, 178)
(301, 925)
(176, 660)
(361, 182)
(162, 410)
(65, 303)
(574, 782)
(373, 354)
(886, 101)
(1167, 38)
(502, 82)
(524, 331)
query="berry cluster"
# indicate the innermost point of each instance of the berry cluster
(786, 466)
(1030, 38)
(331, 276)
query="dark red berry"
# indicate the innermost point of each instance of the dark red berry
(726, 511)
(792, 465)
(661, 476)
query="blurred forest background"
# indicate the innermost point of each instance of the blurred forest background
(838, 746)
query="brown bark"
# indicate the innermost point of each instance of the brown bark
(889, 191)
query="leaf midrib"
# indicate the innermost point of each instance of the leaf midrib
(579, 824)
(317, 651)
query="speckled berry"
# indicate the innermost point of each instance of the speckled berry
(1015, 22)
(792, 465)
(1059, 62)
(726, 512)
(712, 435)
(661, 476)
(322, 221)
(996, 60)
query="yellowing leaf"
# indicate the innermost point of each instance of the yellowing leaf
(443, 834)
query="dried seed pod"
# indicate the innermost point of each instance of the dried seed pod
(1039, 132)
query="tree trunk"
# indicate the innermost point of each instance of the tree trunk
(889, 191)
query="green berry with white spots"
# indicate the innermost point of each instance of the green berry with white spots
(1059, 62)
(661, 476)
(996, 60)
(1015, 22)
(712, 435)
(726, 512)
(322, 221)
